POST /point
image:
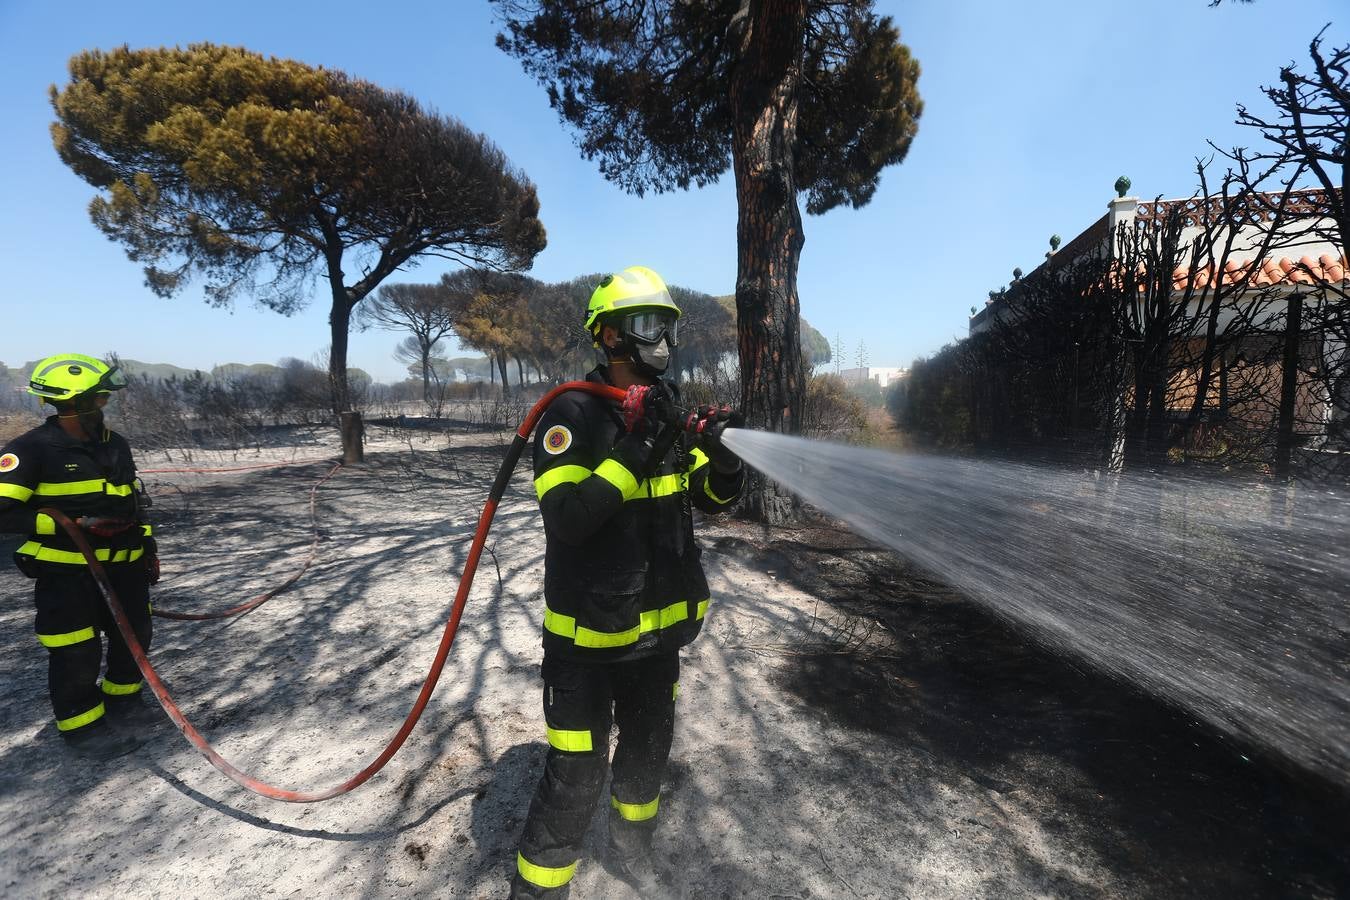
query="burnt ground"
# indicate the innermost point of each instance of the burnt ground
(847, 727)
(1160, 791)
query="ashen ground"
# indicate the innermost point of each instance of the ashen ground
(847, 727)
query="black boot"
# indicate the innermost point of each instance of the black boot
(98, 742)
(639, 872)
(134, 711)
(523, 890)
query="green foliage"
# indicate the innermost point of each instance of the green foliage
(646, 86)
(815, 346)
(222, 162)
(816, 350)
(831, 409)
(869, 392)
(929, 404)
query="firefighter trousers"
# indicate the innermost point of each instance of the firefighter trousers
(71, 616)
(581, 703)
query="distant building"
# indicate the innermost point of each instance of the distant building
(882, 375)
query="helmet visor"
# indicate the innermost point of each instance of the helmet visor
(112, 380)
(649, 326)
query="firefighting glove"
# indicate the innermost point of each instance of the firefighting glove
(103, 527)
(646, 408)
(709, 423)
(661, 410)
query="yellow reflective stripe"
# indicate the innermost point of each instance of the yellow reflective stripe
(15, 491)
(635, 812)
(82, 719)
(660, 486)
(648, 620)
(702, 608)
(614, 472)
(570, 741)
(674, 691)
(543, 876)
(559, 475)
(44, 524)
(707, 489)
(700, 460)
(656, 619)
(74, 557)
(559, 624)
(68, 638)
(50, 489)
(586, 637)
(147, 530)
(113, 689)
(91, 486)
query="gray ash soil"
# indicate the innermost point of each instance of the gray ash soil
(847, 728)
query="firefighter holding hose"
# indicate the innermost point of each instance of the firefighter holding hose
(74, 464)
(624, 589)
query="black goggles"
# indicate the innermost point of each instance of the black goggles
(649, 326)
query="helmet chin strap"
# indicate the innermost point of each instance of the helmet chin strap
(89, 416)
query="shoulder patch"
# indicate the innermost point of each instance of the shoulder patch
(8, 461)
(557, 439)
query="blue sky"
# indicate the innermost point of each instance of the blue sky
(1032, 111)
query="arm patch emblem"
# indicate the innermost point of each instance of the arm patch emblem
(8, 461)
(557, 439)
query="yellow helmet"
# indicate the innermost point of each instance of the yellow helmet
(62, 378)
(635, 288)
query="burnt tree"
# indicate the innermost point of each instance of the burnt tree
(794, 96)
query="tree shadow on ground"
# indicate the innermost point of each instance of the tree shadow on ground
(1159, 792)
(307, 681)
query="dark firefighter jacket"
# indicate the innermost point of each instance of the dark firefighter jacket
(47, 467)
(622, 576)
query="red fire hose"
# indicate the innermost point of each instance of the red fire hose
(443, 651)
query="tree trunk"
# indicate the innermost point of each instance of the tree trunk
(339, 321)
(769, 235)
(501, 368)
(426, 374)
(1284, 435)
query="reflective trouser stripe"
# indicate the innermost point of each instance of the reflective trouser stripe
(81, 720)
(68, 638)
(674, 690)
(543, 876)
(44, 524)
(570, 741)
(635, 812)
(113, 689)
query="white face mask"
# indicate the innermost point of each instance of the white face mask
(653, 357)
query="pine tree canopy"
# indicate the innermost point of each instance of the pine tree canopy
(645, 85)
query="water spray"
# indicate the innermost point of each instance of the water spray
(1183, 585)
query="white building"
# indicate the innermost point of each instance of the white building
(882, 375)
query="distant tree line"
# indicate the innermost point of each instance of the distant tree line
(531, 332)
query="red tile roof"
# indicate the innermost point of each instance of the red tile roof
(1304, 270)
